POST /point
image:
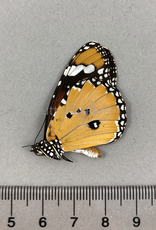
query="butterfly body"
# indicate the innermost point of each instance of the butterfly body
(86, 109)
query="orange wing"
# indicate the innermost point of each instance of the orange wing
(99, 118)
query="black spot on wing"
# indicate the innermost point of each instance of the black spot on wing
(78, 111)
(94, 124)
(69, 115)
(87, 111)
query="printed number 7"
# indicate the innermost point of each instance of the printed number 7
(75, 219)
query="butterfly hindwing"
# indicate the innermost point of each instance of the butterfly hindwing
(89, 121)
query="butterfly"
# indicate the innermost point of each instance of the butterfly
(86, 108)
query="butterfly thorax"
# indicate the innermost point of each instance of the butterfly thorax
(52, 149)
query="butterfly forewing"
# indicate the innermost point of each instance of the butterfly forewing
(92, 61)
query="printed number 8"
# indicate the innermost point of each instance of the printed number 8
(105, 222)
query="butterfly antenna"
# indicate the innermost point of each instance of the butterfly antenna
(39, 131)
(26, 146)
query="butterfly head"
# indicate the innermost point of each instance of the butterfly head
(52, 149)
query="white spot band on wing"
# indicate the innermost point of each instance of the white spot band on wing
(89, 69)
(77, 70)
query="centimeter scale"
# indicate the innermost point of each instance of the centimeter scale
(78, 207)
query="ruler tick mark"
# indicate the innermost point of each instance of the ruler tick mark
(95, 192)
(73, 201)
(92, 192)
(42, 201)
(11, 206)
(99, 193)
(67, 193)
(151, 196)
(39, 195)
(117, 193)
(58, 196)
(89, 197)
(139, 193)
(123, 192)
(52, 193)
(130, 193)
(45, 192)
(70, 192)
(86, 192)
(2, 193)
(114, 193)
(108, 192)
(120, 196)
(21, 189)
(80, 192)
(15, 193)
(55, 193)
(142, 193)
(111, 193)
(77, 192)
(145, 193)
(5, 191)
(105, 202)
(49, 193)
(33, 193)
(36, 192)
(133, 191)
(30, 193)
(27, 197)
(24, 193)
(154, 192)
(136, 200)
(102, 192)
(64, 193)
(61, 193)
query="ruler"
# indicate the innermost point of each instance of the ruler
(78, 207)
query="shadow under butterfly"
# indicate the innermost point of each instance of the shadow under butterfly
(86, 108)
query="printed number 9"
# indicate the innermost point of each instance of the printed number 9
(136, 221)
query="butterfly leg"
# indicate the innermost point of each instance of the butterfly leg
(90, 152)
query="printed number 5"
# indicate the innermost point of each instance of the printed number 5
(11, 222)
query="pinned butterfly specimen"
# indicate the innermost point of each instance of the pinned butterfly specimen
(86, 109)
